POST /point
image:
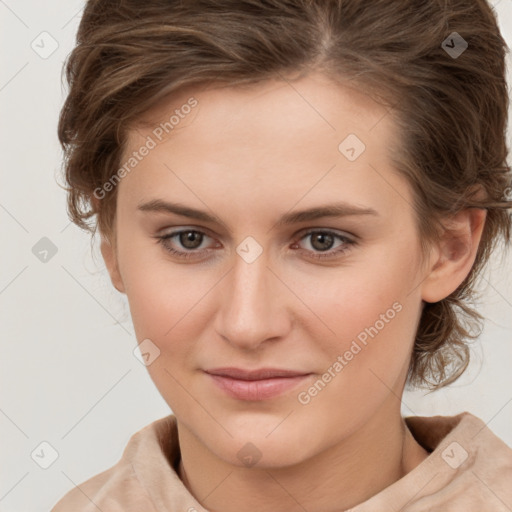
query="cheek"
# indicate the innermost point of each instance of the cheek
(355, 300)
(367, 360)
(369, 318)
(154, 299)
(158, 291)
(373, 332)
(164, 306)
(169, 305)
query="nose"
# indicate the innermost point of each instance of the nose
(253, 304)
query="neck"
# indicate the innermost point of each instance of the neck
(367, 461)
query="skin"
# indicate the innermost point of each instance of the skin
(249, 156)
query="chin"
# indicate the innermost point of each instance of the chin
(262, 446)
(264, 455)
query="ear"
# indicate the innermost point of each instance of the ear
(454, 255)
(109, 255)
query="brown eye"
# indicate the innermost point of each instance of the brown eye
(184, 243)
(190, 239)
(323, 241)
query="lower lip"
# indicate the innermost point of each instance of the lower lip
(257, 389)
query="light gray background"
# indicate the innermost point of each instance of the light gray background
(68, 374)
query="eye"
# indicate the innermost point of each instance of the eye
(323, 240)
(192, 239)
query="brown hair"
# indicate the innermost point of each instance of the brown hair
(451, 109)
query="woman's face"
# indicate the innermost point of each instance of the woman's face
(254, 284)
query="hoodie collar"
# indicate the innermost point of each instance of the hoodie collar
(466, 459)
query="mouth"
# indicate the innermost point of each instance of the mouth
(256, 385)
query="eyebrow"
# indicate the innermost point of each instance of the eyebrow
(294, 217)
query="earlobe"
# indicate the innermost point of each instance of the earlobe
(455, 254)
(110, 258)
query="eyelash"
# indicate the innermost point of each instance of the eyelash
(193, 253)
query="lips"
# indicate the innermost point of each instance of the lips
(258, 384)
(263, 373)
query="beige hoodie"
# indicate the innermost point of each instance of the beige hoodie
(469, 469)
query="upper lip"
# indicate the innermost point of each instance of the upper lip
(259, 374)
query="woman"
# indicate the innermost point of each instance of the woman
(296, 198)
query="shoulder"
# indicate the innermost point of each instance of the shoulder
(430, 431)
(102, 488)
(119, 487)
(470, 466)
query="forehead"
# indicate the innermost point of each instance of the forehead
(316, 100)
(264, 139)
